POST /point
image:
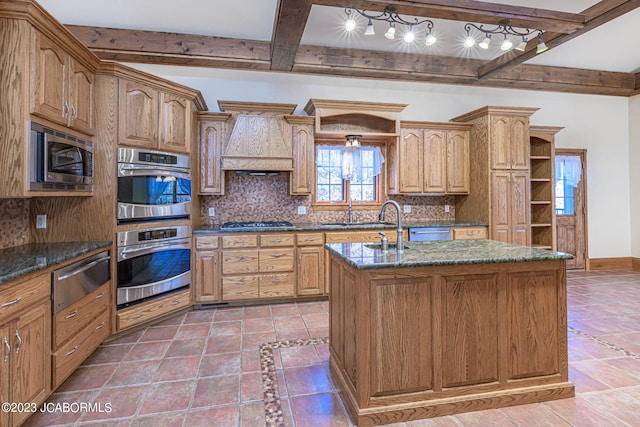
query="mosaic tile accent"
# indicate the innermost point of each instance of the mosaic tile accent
(267, 198)
(272, 405)
(14, 222)
(607, 344)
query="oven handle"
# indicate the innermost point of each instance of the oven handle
(127, 169)
(127, 252)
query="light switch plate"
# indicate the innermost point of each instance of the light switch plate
(41, 221)
(447, 208)
(212, 212)
(302, 210)
(406, 208)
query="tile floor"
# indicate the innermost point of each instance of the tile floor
(204, 368)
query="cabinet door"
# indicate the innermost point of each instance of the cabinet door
(410, 158)
(520, 212)
(81, 98)
(211, 173)
(137, 115)
(49, 80)
(310, 280)
(500, 150)
(5, 363)
(458, 162)
(500, 202)
(303, 160)
(175, 123)
(519, 143)
(207, 279)
(435, 165)
(31, 349)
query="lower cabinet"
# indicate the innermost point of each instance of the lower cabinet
(310, 277)
(206, 283)
(469, 233)
(25, 335)
(146, 311)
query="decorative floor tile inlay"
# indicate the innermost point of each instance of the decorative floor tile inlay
(272, 406)
(607, 344)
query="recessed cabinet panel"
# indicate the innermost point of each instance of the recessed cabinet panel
(457, 162)
(500, 143)
(409, 161)
(49, 80)
(138, 115)
(435, 161)
(303, 160)
(81, 97)
(211, 141)
(175, 123)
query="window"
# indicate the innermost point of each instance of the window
(568, 173)
(342, 175)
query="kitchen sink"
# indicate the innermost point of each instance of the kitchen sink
(378, 246)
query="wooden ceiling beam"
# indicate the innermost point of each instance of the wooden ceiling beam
(291, 18)
(599, 14)
(472, 11)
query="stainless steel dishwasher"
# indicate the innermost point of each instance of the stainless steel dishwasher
(74, 281)
(429, 233)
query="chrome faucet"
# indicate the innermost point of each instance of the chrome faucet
(399, 242)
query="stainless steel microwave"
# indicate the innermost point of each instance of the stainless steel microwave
(58, 161)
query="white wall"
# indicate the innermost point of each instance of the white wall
(598, 123)
(634, 166)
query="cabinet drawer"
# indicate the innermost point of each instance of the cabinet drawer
(310, 239)
(274, 240)
(468, 233)
(277, 285)
(207, 242)
(150, 310)
(276, 259)
(234, 262)
(21, 295)
(72, 354)
(360, 236)
(240, 241)
(72, 319)
(240, 287)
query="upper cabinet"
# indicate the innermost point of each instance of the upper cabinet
(509, 142)
(62, 86)
(150, 117)
(430, 158)
(303, 148)
(213, 133)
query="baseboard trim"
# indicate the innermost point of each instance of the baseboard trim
(635, 263)
(611, 263)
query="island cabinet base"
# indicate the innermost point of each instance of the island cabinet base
(420, 342)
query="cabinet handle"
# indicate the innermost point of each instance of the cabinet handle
(276, 281)
(8, 352)
(175, 302)
(100, 295)
(66, 109)
(73, 350)
(74, 113)
(70, 315)
(276, 241)
(100, 326)
(277, 255)
(15, 301)
(310, 239)
(136, 317)
(19, 341)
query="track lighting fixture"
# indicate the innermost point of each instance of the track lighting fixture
(506, 30)
(389, 15)
(541, 47)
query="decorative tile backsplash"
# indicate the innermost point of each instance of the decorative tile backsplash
(14, 222)
(267, 198)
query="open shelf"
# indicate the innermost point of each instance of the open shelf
(541, 157)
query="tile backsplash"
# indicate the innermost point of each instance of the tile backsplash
(267, 198)
(14, 222)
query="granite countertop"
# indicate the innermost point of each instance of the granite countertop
(302, 226)
(20, 260)
(442, 252)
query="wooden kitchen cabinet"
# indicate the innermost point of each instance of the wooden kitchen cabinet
(153, 309)
(213, 133)
(432, 158)
(25, 336)
(302, 176)
(63, 88)
(510, 207)
(311, 265)
(509, 142)
(207, 278)
(150, 116)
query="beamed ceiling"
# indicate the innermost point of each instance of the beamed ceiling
(285, 52)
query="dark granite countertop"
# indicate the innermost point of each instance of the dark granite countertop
(442, 252)
(335, 226)
(20, 260)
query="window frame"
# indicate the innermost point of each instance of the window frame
(378, 182)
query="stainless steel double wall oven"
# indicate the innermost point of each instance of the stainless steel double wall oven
(153, 259)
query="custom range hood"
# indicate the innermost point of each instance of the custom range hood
(260, 140)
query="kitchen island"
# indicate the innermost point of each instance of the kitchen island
(446, 327)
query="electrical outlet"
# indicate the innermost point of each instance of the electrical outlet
(302, 210)
(41, 221)
(212, 211)
(447, 208)
(406, 208)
